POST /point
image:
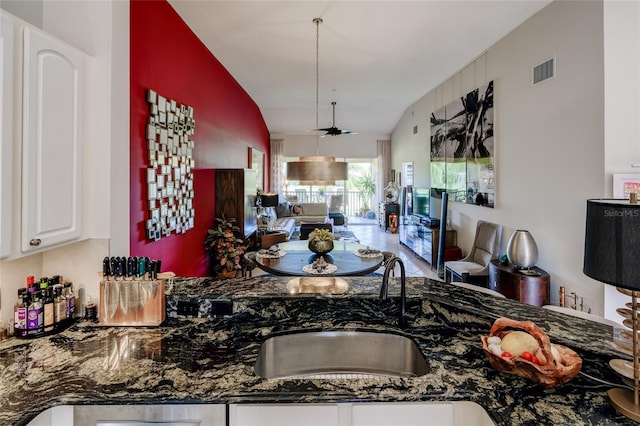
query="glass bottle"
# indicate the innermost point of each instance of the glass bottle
(71, 299)
(60, 305)
(35, 314)
(48, 307)
(20, 314)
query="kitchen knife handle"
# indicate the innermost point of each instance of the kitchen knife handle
(106, 268)
(131, 267)
(141, 267)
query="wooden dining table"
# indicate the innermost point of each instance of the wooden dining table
(297, 255)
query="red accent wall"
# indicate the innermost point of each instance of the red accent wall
(167, 57)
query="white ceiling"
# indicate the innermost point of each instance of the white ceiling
(376, 57)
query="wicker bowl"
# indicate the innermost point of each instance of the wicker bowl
(552, 372)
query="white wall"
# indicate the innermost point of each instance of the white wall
(622, 106)
(344, 146)
(549, 139)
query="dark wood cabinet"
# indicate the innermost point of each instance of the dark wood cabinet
(517, 285)
(235, 198)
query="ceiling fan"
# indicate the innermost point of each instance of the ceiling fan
(333, 130)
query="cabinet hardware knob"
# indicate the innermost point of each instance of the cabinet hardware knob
(35, 242)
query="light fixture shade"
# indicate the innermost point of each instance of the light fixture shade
(612, 242)
(522, 250)
(315, 170)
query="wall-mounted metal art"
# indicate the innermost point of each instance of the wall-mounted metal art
(170, 168)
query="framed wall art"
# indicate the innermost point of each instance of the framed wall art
(462, 148)
(625, 183)
(256, 162)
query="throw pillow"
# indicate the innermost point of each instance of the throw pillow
(296, 210)
(283, 210)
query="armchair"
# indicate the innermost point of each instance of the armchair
(474, 268)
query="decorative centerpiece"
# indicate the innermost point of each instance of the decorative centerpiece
(226, 249)
(321, 241)
(523, 349)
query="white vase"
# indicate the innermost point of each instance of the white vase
(522, 250)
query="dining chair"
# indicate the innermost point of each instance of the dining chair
(248, 264)
(474, 268)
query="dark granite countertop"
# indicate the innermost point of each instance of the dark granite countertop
(210, 359)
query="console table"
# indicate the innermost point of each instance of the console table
(516, 285)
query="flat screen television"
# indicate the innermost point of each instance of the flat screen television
(421, 201)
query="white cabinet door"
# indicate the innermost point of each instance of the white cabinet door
(284, 415)
(51, 167)
(6, 133)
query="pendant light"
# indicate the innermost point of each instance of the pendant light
(317, 170)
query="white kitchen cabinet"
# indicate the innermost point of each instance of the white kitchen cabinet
(442, 413)
(51, 141)
(6, 133)
(133, 415)
(41, 130)
(284, 415)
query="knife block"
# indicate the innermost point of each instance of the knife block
(131, 302)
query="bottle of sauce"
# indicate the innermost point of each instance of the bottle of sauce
(71, 299)
(60, 305)
(48, 307)
(20, 314)
(35, 314)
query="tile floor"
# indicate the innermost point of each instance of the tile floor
(372, 235)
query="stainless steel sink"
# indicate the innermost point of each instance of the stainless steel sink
(340, 354)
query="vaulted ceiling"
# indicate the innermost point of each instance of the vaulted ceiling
(376, 57)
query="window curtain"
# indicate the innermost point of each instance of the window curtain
(276, 157)
(384, 167)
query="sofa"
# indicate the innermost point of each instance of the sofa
(289, 216)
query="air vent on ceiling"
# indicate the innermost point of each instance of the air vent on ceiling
(544, 71)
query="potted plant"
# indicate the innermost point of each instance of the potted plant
(226, 249)
(321, 241)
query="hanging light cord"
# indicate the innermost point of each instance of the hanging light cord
(317, 21)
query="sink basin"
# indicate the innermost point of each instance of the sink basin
(340, 354)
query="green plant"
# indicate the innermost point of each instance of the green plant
(224, 246)
(321, 235)
(366, 184)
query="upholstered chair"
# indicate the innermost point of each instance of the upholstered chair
(474, 268)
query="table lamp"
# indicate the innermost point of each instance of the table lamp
(611, 255)
(264, 202)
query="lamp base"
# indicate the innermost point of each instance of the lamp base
(622, 401)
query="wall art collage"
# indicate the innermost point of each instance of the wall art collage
(170, 193)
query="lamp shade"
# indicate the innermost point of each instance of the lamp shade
(269, 200)
(612, 242)
(522, 250)
(313, 170)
